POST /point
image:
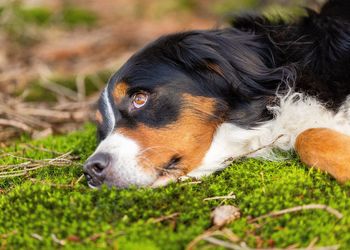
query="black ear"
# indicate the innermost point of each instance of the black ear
(339, 9)
(242, 61)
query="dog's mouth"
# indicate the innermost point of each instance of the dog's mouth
(92, 183)
(171, 166)
(169, 173)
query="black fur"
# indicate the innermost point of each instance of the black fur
(242, 67)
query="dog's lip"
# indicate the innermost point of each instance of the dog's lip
(163, 181)
(91, 182)
(166, 178)
(93, 186)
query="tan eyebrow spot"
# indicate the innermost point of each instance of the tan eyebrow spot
(189, 137)
(98, 117)
(120, 91)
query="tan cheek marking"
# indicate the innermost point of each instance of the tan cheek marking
(326, 150)
(120, 91)
(190, 137)
(98, 117)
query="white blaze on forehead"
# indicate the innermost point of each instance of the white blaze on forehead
(125, 169)
(109, 118)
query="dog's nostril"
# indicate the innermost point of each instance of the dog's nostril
(96, 164)
(97, 167)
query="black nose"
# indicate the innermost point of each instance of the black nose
(95, 168)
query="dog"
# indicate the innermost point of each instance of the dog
(188, 101)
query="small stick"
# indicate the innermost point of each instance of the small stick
(231, 159)
(58, 241)
(312, 244)
(223, 243)
(16, 124)
(208, 233)
(223, 201)
(81, 88)
(37, 236)
(48, 113)
(190, 183)
(79, 179)
(330, 210)
(58, 89)
(233, 246)
(168, 217)
(42, 149)
(220, 197)
(12, 170)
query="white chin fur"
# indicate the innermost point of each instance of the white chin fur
(125, 169)
(295, 114)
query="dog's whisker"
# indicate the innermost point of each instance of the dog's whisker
(158, 147)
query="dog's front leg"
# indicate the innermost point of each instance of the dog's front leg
(327, 150)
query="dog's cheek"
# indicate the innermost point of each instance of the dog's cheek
(188, 138)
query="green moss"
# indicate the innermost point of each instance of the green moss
(73, 16)
(275, 12)
(37, 15)
(112, 218)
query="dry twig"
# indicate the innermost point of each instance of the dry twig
(40, 120)
(234, 246)
(37, 236)
(16, 124)
(330, 210)
(167, 217)
(58, 241)
(230, 196)
(29, 165)
(231, 159)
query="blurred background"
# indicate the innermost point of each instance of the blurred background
(56, 55)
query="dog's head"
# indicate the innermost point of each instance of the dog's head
(159, 113)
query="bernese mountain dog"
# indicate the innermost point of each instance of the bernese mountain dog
(188, 101)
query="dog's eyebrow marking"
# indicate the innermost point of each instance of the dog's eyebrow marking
(110, 118)
(120, 91)
(98, 117)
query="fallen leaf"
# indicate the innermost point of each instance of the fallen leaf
(73, 238)
(223, 215)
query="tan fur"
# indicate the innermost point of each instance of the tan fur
(216, 68)
(119, 91)
(98, 117)
(327, 150)
(189, 137)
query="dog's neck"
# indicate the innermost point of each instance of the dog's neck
(295, 113)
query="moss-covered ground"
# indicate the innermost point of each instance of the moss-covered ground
(45, 213)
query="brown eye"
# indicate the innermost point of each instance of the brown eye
(139, 99)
